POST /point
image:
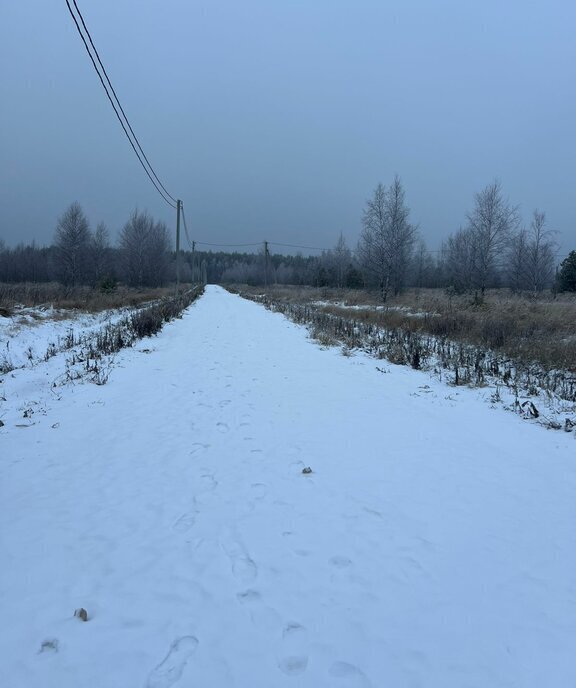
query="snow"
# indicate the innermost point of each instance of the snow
(432, 545)
(26, 336)
(405, 310)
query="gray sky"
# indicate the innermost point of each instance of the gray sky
(275, 119)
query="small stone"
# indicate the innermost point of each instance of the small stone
(307, 470)
(1, 423)
(81, 614)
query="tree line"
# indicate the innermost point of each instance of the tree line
(79, 255)
(492, 249)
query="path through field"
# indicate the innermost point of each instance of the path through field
(433, 544)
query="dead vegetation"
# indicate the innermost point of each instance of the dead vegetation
(90, 349)
(84, 298)
(526, 344)
(532, 330)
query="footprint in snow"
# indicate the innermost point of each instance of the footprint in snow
(243, 568)
(184, 523)
(258, 492)
(349, 675)
(205, 493)
(261, 615)
(373, 512)
(294, 658)
(172, 666)
(222, 427)
(198, 447)
(209, 482)
(340, 562)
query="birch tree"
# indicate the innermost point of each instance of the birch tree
(458, 256)
(387, 239)
(491, 224)
(99, 254)
(72, 238)
(540, 254)
(145, 245)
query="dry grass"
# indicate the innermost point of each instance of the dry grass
(540, 330)
(52, 294)
(90, 348)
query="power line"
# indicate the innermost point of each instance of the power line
(259, 243)
(185, 226)
(119, 103)
(310, 248)
(206, 243)
(165, 195)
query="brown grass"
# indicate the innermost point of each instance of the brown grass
(84, 298)
(540, 330)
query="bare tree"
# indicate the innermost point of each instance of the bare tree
(4, 259)
(531, 256)
(341, 258)
(491, 223)
(422, 266)
(540, 258)
(335, 263)
(145, 245)
(387, 240)
(71, 242)
(99, 254)
(518, 261)
(458, 257)
(158, 248)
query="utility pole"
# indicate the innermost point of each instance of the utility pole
(266, 263)
(178, 206)
(193, 262)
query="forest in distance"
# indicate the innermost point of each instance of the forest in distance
(494, 248)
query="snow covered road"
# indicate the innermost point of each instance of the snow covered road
(433, 545)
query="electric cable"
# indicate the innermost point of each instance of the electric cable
(207, 243)
(119, 103)
(310, 248)
(186, 226)
(165, 197)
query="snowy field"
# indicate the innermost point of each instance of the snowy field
(433, 545)
(30, 332)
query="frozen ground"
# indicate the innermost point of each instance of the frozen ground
(26, 336)
(433, 545)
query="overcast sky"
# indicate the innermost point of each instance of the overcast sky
(275, 119)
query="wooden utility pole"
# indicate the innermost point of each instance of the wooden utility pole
(266, 263)
(193, 262)
(178, 206)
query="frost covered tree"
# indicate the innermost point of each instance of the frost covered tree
(423, 267)
(540, 255)
(335, 263)
(458, 260)
(71, 242)
(145, 245)
(517, 272)
(387, 239)
(340, 258)
(491, 223)
(100, 261)
(531, 256)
